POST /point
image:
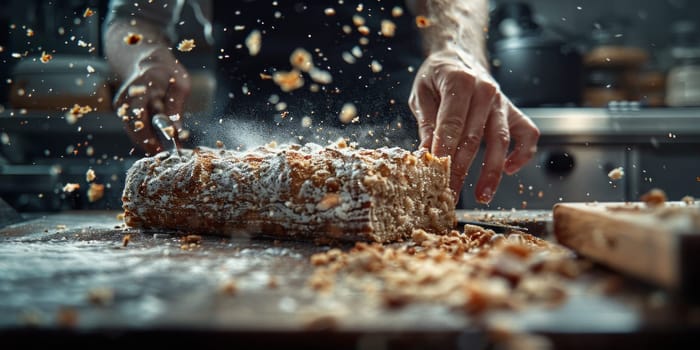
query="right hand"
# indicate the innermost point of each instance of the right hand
(167, 86)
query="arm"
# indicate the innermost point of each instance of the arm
(150, 63)
(457, 103)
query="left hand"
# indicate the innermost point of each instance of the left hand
(457, 103)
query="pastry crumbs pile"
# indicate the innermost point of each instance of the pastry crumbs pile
(473, 271)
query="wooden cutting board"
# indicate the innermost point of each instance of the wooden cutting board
(660, 245)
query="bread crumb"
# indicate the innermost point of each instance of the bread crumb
(45, 57)
(376, 66)
(288, 81)
(358, 20)
(321, 76)
(95, 192)
(101, 296)
(396, 11)
(329, 11)
(186, 45)
(348, 113)
(136, 90)
(616, 173)
(196, 239)
(90, 175)
(133, 38)
(688, 200)
(126, 240)
(422, 22)
(229, 287)
(67, 317)
(301, 59)
(655, 197)
(88, 12)
(70, 187)
(388, 28)
(254, 42)
(321, 323)
(364, 30)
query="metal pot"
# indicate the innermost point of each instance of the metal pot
(534, 67)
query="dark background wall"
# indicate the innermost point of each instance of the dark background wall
(649, 22)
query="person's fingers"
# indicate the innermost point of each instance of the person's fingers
(497, 138)
(525, 136)
(424, 105)
(480, 107)
(456, 90)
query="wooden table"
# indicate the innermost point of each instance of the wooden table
(51, 264)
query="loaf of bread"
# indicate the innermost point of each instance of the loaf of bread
(334, 193)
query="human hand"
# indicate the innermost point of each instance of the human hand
(457, 104)
(155, 83)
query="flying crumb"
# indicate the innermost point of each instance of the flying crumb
(95, 192)
(306, 122)
(321, 76)
(30, 32)
(364, 30)
(136, 90)
(397, 11)
(90, 69)
(376, 66)
(186, 45)
(122, 110)
(654, 197)
(356, 51)
(348, 57)
(70, 187)
(329, 11)
(219, 144)
(348, 113)
(90, 175)
(616, 173)
(126, 240)
(133, 38)
(88, 12)
(422, 21)
(688, 200)
(301, 59)
(388, 28)
(358, 20)
(288, 81)
(45, 57)
(138, 125)
(254, 42)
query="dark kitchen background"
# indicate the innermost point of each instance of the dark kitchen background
(610, 84)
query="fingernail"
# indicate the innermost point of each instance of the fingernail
(486, 195)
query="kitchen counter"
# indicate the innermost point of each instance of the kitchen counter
(52, 264)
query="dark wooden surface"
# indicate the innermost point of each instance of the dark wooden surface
(161, 289)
